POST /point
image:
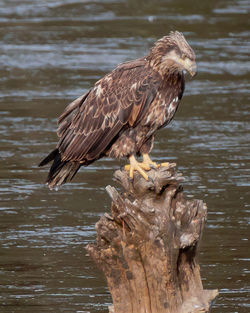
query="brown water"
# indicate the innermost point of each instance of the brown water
(53, 51)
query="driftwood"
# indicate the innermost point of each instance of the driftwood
(147, 249)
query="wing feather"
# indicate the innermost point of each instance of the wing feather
(119, 100)
(72, 106)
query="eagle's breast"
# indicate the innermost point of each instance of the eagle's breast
(171, 108)
(165, 104)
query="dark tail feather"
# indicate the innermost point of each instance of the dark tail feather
(60, 171)
(49, 157)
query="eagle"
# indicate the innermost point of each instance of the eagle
(120, 115)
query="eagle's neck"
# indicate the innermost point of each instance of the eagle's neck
(165, 67)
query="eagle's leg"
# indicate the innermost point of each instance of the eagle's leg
(147, 160)
(136, 166)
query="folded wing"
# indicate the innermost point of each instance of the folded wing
(90, 124)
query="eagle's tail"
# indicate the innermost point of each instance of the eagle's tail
(60, 171)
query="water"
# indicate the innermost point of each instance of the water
(53, 51)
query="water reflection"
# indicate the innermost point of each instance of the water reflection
(53, 51)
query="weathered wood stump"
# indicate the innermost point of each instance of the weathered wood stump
(147, 249)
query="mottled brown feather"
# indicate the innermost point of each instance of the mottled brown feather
(90, 123)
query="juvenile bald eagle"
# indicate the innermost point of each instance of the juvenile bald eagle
(119, 116)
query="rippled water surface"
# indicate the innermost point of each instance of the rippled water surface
(53, 51)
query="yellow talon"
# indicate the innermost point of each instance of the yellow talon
(165, 164)
(127, 167)
(147, 160)
(136, 166)
(146, 165)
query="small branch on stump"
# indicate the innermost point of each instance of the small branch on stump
(147, 249)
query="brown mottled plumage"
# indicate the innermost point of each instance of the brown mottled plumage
(119, 116)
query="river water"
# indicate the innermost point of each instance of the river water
(53, 51)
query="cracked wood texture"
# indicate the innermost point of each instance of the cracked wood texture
(148, 247)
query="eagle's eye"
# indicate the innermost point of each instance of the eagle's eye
(184, 56)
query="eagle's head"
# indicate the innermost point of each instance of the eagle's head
(172, 53)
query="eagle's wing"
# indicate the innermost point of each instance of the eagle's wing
(119, 100)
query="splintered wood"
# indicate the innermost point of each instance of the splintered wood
(147, 247)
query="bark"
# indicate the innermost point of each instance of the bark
(148, 247)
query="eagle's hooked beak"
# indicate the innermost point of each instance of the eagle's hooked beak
(190, 66)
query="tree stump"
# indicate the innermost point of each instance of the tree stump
(147, 249)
